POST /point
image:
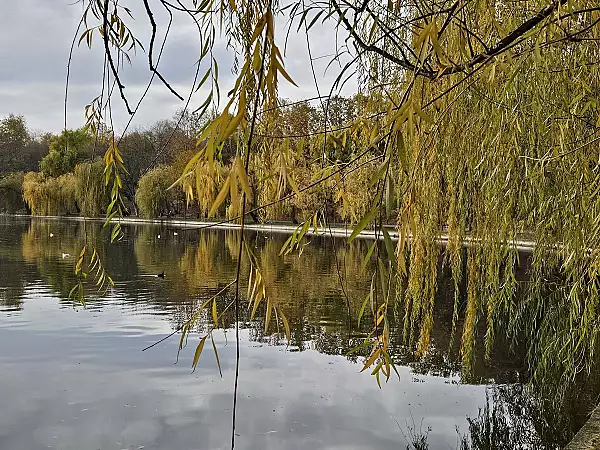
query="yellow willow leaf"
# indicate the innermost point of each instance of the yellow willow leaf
(255, 289)
(362, 308)
(377, 368)
(235, 202)
(433, 36)
(268, 315)
(366, 220)
(270, 26)
(181, 340)
(214, 313)
(286, 325)
(256, 303)
(216, 355)
(243, 177)
(371, 359)
(188, 168)
(208, 130)
(189, 193)
(94, 260)
(259, 27)
(492, 74)
(180, 180)
(402, 112)
(199, 187)
(423, 115)
(410, 123)
(285, 74)
(233, 124)
(401, 148)
(421, 41)
(374, 134)
(293, 184)
(386, 369)
(210, 153)
(220, 198)
(118, 156)
(198, 352)
(256, 58)
(80, 261)
(234, 8)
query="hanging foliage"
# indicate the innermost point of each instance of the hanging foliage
(478, 122)
(91, 192)
(49, 196)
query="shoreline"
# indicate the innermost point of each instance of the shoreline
(336, 230)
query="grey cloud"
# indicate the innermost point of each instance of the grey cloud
(36, 35)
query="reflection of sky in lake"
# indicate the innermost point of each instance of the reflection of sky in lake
(75, 378)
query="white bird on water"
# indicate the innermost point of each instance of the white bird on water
(51, 234)
(175, 233)
(65, 255)
(158, 237)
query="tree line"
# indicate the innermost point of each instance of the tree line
(63, 174)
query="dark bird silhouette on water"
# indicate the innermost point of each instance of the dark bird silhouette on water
(161, 275)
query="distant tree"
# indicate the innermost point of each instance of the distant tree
(139, 153)
(66, 151)
(33, 153)
(11, 193)
(153, 197)
(14, 137)
(90, 188)
(50, 195)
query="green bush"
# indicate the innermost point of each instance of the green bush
(152, 196)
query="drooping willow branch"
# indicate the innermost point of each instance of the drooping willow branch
(113, 68)
(495, 50)
(153, 68)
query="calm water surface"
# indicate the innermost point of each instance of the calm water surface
(74, 377)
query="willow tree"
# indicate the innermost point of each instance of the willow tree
(480, 115)
(49, 196)
(153, 197)
(90, 189)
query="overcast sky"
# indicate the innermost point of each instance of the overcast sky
(35, 36)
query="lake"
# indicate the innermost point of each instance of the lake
(75, 377)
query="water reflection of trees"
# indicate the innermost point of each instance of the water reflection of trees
(514, 417)
(307, 288)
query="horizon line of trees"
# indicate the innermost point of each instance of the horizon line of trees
(63, 174)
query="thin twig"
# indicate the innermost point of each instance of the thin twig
(105, 38)
(181, 327)
(153, 68)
